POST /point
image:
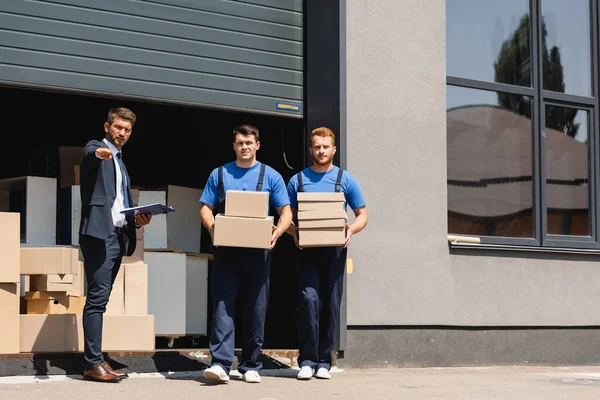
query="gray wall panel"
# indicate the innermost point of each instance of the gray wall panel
(133, 23)
(56, 45)
(241, 9)
(130, 87)
(424, 347)
(246, 54)
(135, 40)
(290, 5)
(192, 17)
(404, 273)
(59, 62)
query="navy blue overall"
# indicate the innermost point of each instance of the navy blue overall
(243, 270)
(320, 274)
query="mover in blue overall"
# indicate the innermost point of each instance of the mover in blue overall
(320, 270)
(241, 269)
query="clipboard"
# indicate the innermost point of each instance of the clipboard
(154, 209)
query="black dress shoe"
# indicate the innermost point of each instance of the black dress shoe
(100, 374)
(120, 375)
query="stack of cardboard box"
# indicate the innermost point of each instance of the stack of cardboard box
(246, 222)
(56, 297)
(321, 219)
(48, 321)
(9, 282)
(56, 280)
(51, 319)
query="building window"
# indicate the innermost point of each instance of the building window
(522, 121)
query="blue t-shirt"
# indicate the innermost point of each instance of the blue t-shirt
(325, 182)
(237, 178)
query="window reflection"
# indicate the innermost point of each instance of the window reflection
(489, 40)
(566, 46)
(489, 163)
(567, 186)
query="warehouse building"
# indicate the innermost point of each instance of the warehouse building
(469, 118)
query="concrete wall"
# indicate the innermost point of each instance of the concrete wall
(439, 347)
(404, 272)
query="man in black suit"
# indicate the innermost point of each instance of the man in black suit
(105, 235)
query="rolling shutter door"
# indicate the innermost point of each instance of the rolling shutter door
(217, 53)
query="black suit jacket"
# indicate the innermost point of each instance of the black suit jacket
(98, 184)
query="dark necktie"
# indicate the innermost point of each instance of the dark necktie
(123, 181)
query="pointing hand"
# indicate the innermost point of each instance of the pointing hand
(104, 153)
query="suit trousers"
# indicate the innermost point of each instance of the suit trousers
(320, 273)
(245, 271)
(102, 260)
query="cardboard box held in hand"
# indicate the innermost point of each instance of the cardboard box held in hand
(321, 219)
(246, 222)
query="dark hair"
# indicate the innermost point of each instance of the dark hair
(121, 112)
(246, 130)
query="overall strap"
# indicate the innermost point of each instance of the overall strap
(221, 208)
(261, 178)
(338, 181)
(300, 184)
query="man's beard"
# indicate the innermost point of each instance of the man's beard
(323, 161)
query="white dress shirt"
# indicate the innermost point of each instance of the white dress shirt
(119, 205)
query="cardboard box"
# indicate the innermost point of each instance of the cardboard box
(320, 205)
(77, 174)
(242, 203)
(49, 260)
(138, 255)
(71, 284)
(64, 333)
(48, 306)
(116, 301)
(320, 196)
(46, 302)
(322, 214)
(9, 318)
(50, 333)
(135, 193)
(128, 333)
(69, 157)
(243, 232)
(76, 304)
(139, 233)
(136, 289)
(119, 333)
(322, 223)
(60, 280)
(322, 237)
(10, 243)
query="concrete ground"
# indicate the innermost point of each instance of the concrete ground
(386, 383)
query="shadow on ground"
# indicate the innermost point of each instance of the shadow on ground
(166, 362)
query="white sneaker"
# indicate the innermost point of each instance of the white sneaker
(216, 373)
(251, 377)
(306, 373)
(323, 373)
